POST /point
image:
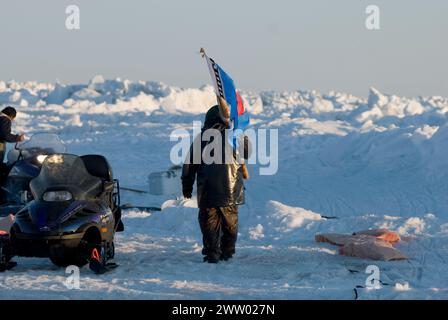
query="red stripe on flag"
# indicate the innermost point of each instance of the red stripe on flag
(240, 103)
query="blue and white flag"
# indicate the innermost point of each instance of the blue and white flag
(225, 88)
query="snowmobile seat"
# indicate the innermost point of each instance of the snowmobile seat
(98, 166)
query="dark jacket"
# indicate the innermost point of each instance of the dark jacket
(5, 130)
(5, 134)
(218, 185)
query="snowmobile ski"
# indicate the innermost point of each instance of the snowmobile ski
(98, 263)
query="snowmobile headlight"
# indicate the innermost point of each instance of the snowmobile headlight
(57, 196)
(41, 158)
(56, 159)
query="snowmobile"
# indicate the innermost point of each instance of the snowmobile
(71, 212)
(24, 164)
(74, 215)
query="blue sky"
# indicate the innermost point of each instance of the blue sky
(280, 45)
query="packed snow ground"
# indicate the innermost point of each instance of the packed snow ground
(376, 162)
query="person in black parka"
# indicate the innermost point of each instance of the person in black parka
(220, 190)
(7, 115)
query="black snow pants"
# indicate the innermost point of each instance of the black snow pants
(219, 227)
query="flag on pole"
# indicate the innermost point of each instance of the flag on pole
(225, 89)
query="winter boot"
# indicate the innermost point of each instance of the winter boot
(211, 259)
(5, 253)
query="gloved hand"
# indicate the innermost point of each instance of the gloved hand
(21, 138)
(187, 194)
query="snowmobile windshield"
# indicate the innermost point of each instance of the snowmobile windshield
(64, 177)
(40, 144)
